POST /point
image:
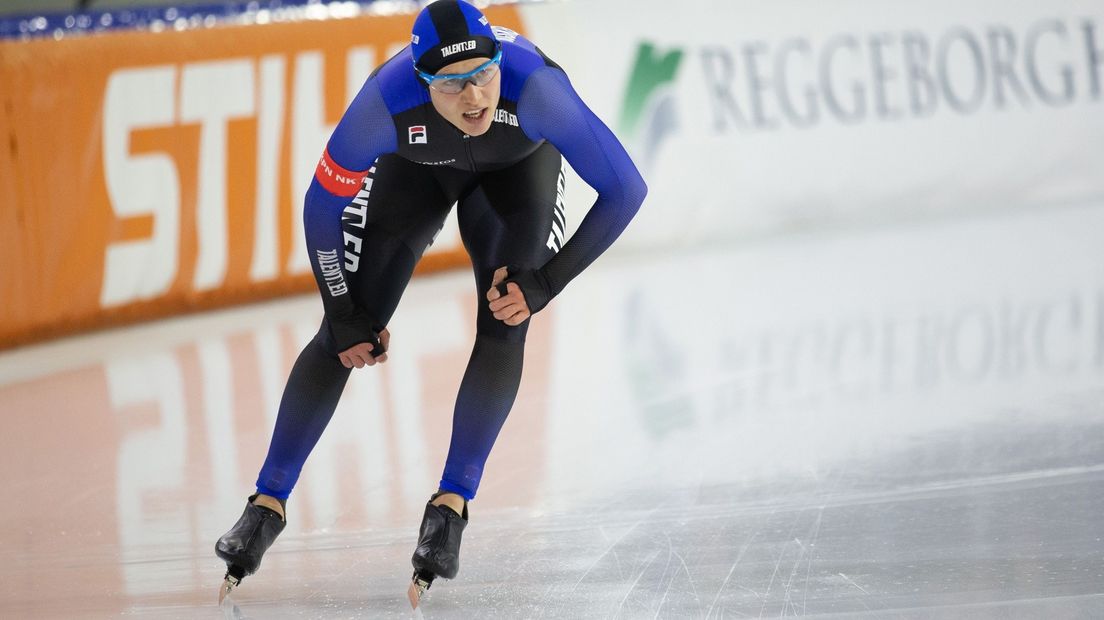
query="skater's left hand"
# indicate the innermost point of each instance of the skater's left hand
(360, 355)
(510, 308)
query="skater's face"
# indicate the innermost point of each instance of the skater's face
(472, 109)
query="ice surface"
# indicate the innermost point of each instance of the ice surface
(903, 422)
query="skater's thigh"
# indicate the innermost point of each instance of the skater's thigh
(514, 217)
(517, 212)
(388, 230)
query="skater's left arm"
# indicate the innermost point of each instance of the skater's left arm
(550, 109)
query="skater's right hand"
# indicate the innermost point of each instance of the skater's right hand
(507, 301)
(360, 355)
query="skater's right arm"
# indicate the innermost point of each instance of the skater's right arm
(364, 133)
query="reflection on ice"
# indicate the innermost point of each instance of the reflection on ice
(797, 355)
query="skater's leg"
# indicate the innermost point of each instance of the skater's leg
(406, 208)
(392, 227)
(310, 397)
(486, 396)
(512, 218)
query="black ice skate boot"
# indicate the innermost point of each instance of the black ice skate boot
(438, 551)
(242, 547)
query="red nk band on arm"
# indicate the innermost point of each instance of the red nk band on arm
(337, 180)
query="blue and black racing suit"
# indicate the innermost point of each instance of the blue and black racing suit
(390, 173)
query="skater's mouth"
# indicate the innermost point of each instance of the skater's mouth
(475, 115)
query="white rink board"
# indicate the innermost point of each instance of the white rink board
(793, 114)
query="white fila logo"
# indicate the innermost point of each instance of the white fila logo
(418, 135)
(456, 48)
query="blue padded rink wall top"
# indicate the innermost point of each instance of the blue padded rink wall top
(826, 436)
(59, 23)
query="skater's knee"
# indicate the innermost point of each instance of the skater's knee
(323, 345)
(489, 327)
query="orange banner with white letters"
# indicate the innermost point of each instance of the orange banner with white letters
(147, 174)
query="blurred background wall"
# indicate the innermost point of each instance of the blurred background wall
(159, 168)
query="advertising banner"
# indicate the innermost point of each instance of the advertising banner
(150, 173)
(752, 117)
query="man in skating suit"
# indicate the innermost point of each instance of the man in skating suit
(466, 113)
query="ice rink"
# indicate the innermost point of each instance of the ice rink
(901, 421)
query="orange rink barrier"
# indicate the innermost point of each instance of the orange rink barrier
(148, 174)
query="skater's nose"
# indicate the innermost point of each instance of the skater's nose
(471, 94)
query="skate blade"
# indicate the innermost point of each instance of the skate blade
(414, 595)
(225, 588)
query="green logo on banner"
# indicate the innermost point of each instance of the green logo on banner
(647, 111)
